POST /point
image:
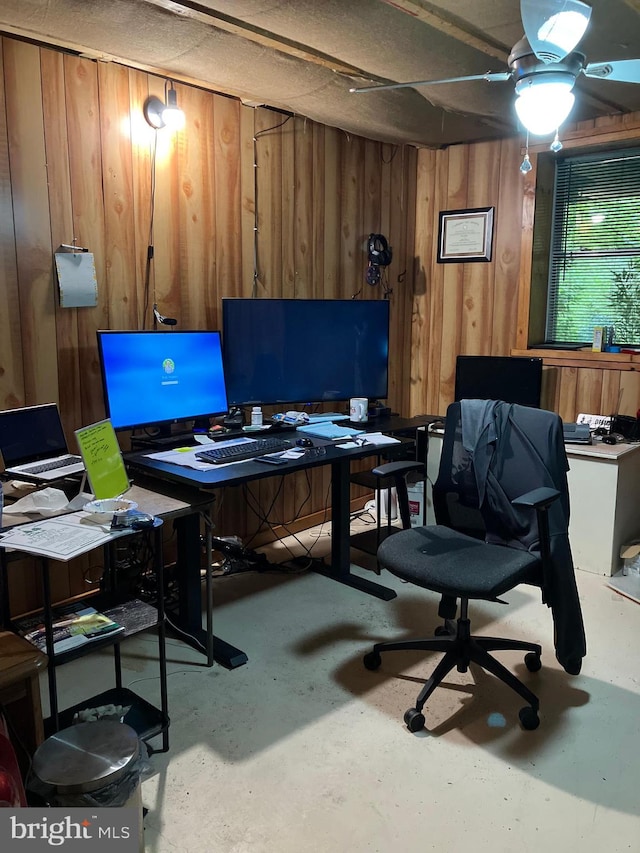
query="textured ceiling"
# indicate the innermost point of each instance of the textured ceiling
(302, 56)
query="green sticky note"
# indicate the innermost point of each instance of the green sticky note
(103, 460)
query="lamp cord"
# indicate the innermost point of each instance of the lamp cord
(147, 273)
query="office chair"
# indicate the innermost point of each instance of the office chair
(502, 514)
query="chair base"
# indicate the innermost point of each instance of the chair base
(460, 649)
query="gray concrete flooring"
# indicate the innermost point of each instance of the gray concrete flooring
(302, 750)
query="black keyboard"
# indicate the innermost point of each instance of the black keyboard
(244, 450)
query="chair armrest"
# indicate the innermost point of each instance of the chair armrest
(398, 470)
(537, 498)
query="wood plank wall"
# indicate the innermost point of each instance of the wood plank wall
(484, 308)
(76, 162)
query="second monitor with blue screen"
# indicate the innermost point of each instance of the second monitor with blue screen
(154, 378)
(305, 350)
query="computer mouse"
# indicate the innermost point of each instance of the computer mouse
(609, 439)
(304, 442)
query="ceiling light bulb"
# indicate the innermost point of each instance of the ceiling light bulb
(543, 107)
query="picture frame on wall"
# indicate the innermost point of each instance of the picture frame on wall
(465, 235)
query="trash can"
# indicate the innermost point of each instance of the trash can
(94, 763)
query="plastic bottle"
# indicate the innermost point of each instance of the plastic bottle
(256, 416)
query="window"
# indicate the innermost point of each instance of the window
(594, 265)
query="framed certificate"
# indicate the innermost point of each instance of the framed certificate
(465, 235)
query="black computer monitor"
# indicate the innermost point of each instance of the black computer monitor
(513, 379)
(305, 350)
(155, 378)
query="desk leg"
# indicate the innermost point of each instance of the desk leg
(48, 627)
(340, 569)
(189, 615)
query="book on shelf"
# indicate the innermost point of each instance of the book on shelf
(71, 628)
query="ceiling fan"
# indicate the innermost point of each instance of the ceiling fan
(544, 64)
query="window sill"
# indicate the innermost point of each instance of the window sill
(584, 358)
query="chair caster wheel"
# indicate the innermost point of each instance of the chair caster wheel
(529, 718)
(532, 662)
(414, 720)
(441, 631)
(372, 661)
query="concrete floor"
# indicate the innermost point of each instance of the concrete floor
(302, 750)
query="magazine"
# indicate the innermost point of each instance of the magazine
(71, 629)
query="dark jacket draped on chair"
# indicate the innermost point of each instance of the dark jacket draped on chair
(516, 449)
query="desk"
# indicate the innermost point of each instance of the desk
(604, 495)
(237, 474)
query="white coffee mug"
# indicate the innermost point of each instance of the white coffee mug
(359, 410)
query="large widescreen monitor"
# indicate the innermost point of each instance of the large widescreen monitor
(155, 378)
(305, 350)
(513, 379)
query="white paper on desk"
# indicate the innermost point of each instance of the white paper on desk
(58, 538)
(77, 279)
(377, 439)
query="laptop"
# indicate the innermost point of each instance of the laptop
(33, 445)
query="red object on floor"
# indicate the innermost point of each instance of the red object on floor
(12, 794)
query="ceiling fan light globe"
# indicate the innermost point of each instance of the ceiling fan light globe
(543, 108)
(554, 27)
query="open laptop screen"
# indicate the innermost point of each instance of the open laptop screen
(31, 434)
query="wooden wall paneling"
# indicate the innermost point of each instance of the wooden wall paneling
(119, 214)
(269, 132)
(331, 223)
(352, 258)
(479, 278)
(227, 235)
(196, 155)
(23, 94)
(393, 206)
(453, 283)
(61, 216)
(630, 387)
(567, 391)
(242, 285)
(528, 209)
(142, 139)
(317, 271)
(12, 391)
(303, 208)
(427, 275)
(163, 223)
(612, 392)
(288, 284)
(85, 169)
(589, 391)
(506, 249)
(410, 162)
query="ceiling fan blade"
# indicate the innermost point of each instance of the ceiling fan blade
(554, 27)
(490, 77)
(622, 70)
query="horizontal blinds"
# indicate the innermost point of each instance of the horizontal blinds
(594, 273)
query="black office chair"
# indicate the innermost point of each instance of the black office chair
(502, 517)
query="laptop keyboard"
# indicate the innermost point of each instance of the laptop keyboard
(62, 462)
(244, 450)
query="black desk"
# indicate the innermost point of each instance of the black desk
(234, 475)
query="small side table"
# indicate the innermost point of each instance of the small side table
(20, 666)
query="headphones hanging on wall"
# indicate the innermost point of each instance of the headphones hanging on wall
(380, 253)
